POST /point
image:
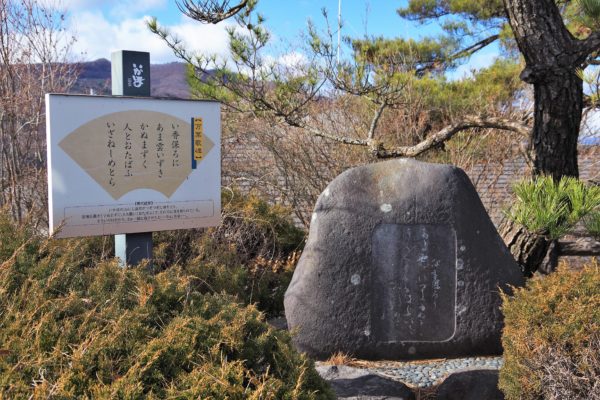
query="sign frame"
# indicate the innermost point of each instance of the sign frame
(70, 185)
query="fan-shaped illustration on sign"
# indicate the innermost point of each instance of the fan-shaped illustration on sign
(129, 150)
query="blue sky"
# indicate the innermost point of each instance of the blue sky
(104, 26)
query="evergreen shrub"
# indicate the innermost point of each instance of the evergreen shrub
(551, 337)
(550, 208)
(75, 326)
(251, 254)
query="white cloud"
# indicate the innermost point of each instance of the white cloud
(293, 59)
(291, 64)
(97, 37)
(117, 7)
(135, 7)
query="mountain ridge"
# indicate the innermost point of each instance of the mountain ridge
(167, 80)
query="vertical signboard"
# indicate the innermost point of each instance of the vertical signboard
(130, 73)
(125, 165)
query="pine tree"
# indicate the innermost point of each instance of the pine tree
(556, 38)
(553, 39)
(384, 74)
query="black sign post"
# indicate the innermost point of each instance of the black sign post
(130, 73)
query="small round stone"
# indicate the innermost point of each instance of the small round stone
(430, 373)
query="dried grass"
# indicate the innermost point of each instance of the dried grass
(551, 337)
(340, 358)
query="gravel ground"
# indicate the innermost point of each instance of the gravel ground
(419, 374)
(427, 373)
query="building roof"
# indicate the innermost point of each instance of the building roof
(494, 181)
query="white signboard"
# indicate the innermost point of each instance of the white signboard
(124, 165)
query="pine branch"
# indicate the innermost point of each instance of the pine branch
(466, 52)
(475, 47)
(431, 142)
(210, 11)
(448, 132)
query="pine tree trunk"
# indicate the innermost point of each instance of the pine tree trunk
(529, 250)
(558, 108)
(552, 56)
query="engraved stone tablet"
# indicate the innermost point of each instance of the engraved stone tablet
(415, 273)
(401, 262)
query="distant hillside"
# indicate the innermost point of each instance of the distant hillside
(168, 80)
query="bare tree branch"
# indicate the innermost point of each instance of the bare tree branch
(375, 121)
(335, 138)
(587, 46)
(378, 149)
(35, 59)
(447, 133)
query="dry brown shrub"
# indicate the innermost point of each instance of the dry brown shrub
(551, 337)
(73, 327)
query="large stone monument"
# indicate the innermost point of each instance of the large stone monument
(402, 262)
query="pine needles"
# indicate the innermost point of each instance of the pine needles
(550, 208)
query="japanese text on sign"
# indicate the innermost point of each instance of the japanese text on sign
(198, 134)
(141, 211)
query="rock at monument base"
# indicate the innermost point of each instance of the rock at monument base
(353, 384)
(402, 262)
(471, 385)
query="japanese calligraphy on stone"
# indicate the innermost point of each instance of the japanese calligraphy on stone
(415, 274)
(131, 150)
